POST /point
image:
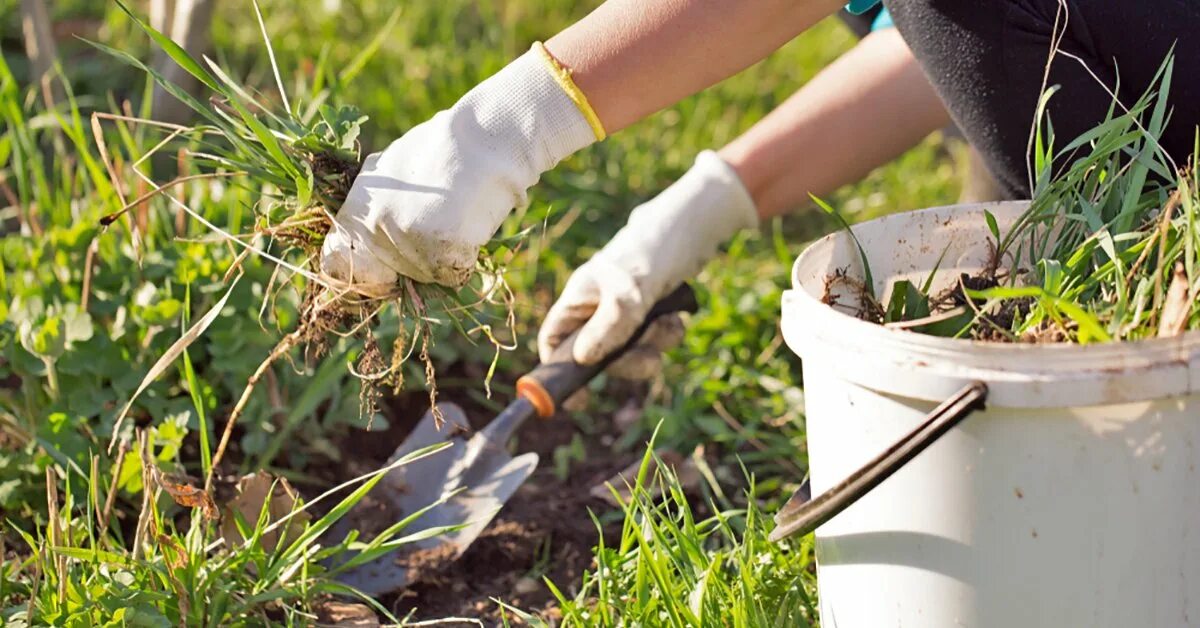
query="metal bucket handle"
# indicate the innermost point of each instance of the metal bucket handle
(801, 516)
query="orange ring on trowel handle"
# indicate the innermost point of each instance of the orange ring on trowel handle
(537, 395)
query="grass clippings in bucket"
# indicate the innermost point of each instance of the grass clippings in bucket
(1108, 250)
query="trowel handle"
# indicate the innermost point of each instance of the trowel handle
(551, 383)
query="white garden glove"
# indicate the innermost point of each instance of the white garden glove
(424, 206)
(667, 241)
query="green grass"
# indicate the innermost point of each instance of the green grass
(1107, 249)
(670, 568)
(1111, 230)
(70, 366)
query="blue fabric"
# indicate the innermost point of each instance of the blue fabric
(882, 21)
(858, 7)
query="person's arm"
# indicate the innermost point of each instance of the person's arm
(634, 57)
(860, 112)
(865, 108)
(424, 206)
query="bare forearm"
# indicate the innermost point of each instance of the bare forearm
(634, 57)
(862, 111)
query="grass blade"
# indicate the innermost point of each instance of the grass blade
(868, 281)
(170, 356)
(262, 27)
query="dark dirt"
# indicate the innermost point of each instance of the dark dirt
(994, 325)
(958, 293)
(865, 308)
(545, 529)
(422, 564)
(373, 515)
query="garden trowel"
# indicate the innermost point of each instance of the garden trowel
(475, 474)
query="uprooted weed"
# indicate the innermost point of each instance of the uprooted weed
(302, 159)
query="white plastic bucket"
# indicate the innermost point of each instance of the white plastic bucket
(1072, 500)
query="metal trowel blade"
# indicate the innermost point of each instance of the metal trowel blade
(481, 475)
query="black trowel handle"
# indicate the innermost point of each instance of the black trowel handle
(551, 383)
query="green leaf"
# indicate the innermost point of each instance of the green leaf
(948, 328)
(304, 186)
(197, 394)
(318, 388)
(1043, 145)
(928, 285)
(266, 138)
(89, 555)
(868, 279)
(916, 302)
(318, 527)
(173, 352)
(895, 306)
(45, 338)
(1090, 328)
(1006, 292)
(228, 131)
(1052, 276)
(993, 227)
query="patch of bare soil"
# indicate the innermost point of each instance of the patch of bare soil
(373, 515)
(545, 529)
(424, 563)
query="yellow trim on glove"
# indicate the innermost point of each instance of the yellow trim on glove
(563, 77)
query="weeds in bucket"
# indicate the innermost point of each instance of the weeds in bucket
(303, 157)
(1109, 248)
(1111, 241)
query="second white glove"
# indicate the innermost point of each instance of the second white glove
(666, 242)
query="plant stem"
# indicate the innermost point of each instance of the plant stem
(51, 377)
(280, 349)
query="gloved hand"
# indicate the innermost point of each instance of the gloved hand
(666, 241)
(423, 207)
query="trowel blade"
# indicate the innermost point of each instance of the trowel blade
(486, 474)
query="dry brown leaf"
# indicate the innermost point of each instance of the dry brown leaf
(172, 550)
(1177, 307)
(185, 492)
(254, 490)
